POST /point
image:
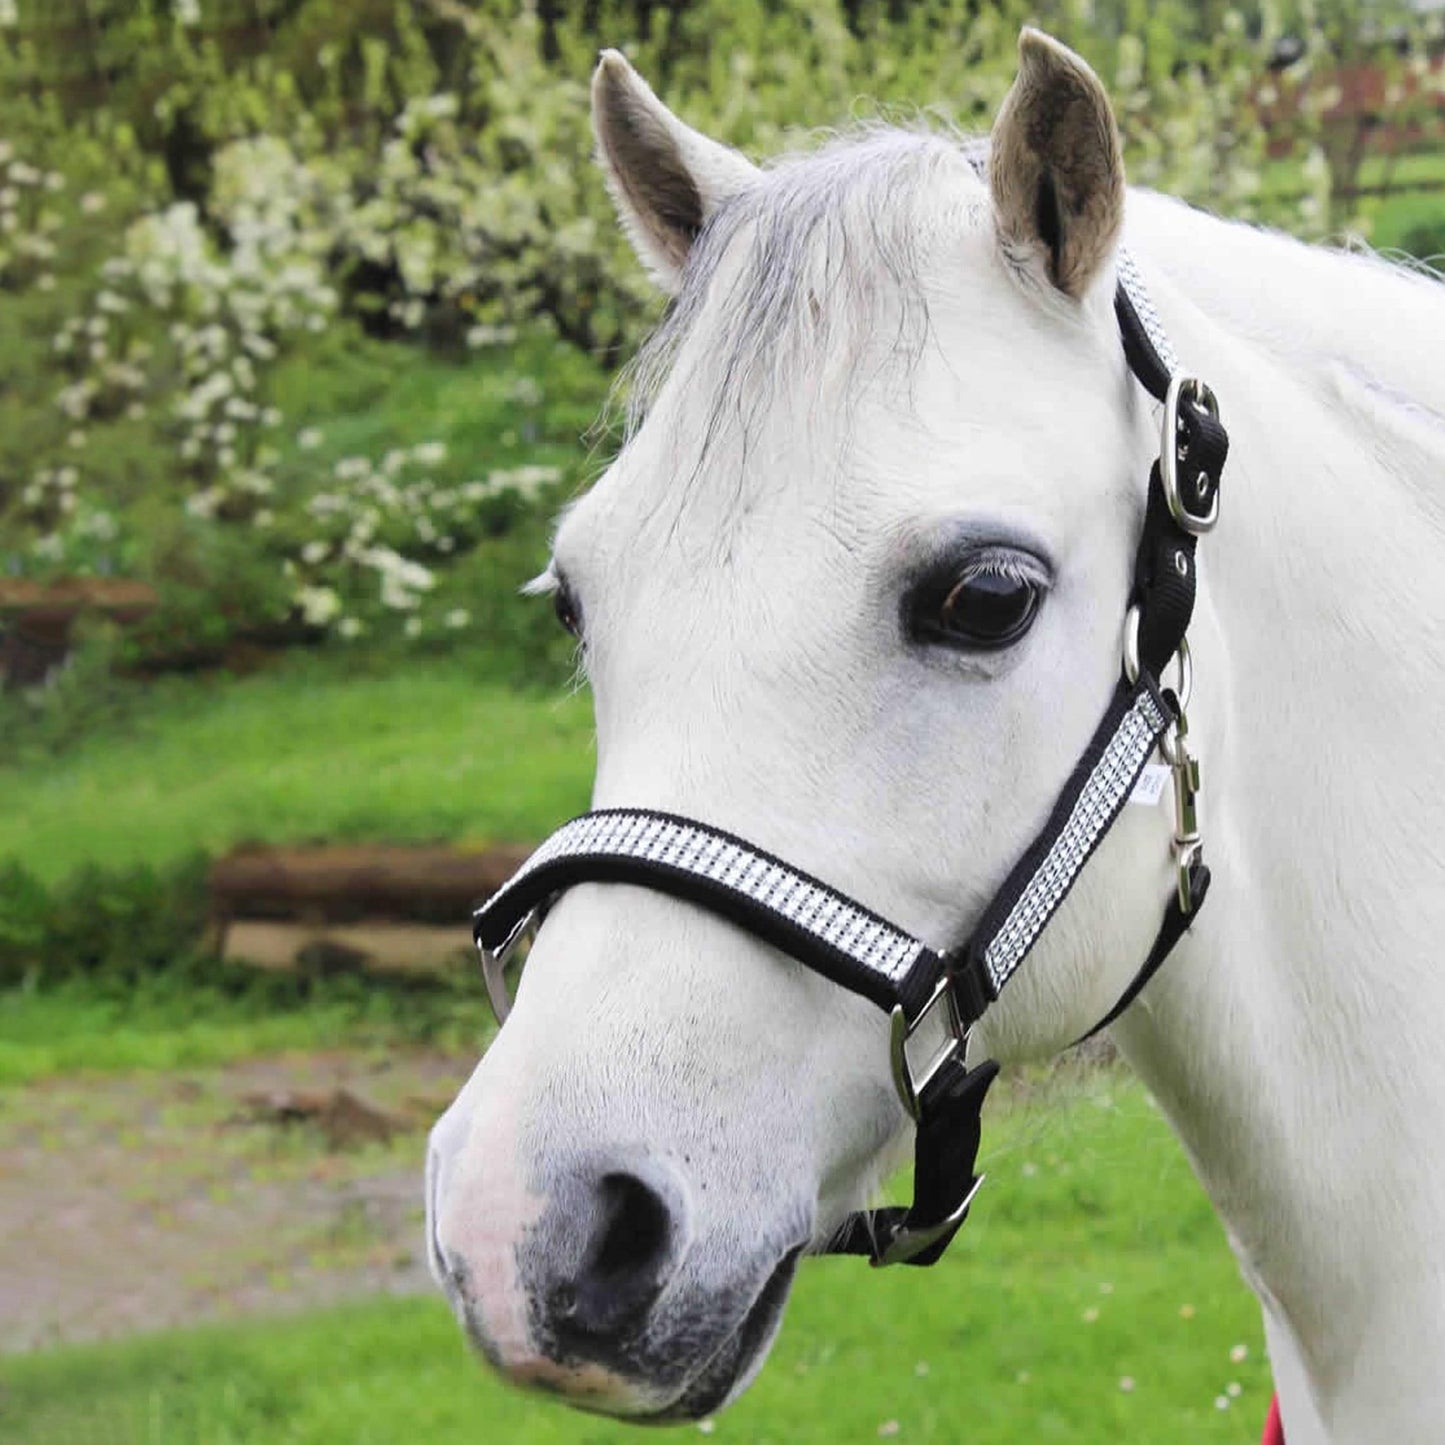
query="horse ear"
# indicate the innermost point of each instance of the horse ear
(665, 177)
(1055, 167)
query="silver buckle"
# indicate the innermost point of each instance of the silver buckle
(495, 961)
(1202, 399)
(910, 1242)
(1188, 844)
(940, 1029)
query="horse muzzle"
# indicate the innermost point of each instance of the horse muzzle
(603, 1288)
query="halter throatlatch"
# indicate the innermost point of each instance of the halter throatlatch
(935, 997)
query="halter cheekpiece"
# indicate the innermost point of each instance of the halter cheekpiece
(934, 998)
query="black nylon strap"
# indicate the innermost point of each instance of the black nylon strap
(1164, 580)
(1175, 925)
(1165, 570)
(945, 1151)
(1139, 349)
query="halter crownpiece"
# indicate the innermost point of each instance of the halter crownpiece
(935, 997)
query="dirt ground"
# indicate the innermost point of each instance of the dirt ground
(145, 1201)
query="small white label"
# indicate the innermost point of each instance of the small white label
(1150, 787)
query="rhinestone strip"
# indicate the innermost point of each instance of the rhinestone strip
(1138, 294)
(1112, 778)
(650, 838)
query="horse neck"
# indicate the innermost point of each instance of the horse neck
(1294, 1040)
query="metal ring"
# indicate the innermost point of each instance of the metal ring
(495, 961)
(1131, 645)
(1182, 658)
(1185, 663)
(1199, 396)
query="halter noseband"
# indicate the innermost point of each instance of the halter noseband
(934, 998)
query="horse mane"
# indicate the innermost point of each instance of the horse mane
(796, 277)
(1357, 324)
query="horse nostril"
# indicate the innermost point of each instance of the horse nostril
(634, 1228)
(627, 1258)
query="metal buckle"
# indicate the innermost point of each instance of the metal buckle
(1188, 844)
(910, 1242)
(939, 1026)
(1200, 397)
(495, 961)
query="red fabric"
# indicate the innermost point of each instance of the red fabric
(1273, 1428)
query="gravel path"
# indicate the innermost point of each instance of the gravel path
(151, 1200)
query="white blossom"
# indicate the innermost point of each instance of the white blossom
(319, 606)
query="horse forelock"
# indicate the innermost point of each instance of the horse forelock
(824, 262)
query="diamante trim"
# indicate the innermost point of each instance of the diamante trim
(729, 863)
(1138, 294)
(1107, 786)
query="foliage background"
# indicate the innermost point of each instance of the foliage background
(305, 304)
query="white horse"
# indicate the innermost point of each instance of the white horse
(882, 373)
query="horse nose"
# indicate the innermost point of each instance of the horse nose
(609, 1243)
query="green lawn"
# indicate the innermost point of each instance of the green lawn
(1091, 1300)
(314, 750)
(1395, 220)
(227, 1013)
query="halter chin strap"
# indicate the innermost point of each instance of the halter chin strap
(934, 998)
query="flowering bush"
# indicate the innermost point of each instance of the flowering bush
(27, 222)
(382, 528)
(188, 274)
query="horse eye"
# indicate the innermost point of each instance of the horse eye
(567, 610)
(985, 609)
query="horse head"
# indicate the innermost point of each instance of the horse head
(852, 589)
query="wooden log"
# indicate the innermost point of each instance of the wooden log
(346, 884)
(37, 618)
(62, 601)
(370, 946)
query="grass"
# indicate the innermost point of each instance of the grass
(180, 1020)
(311, 750)
(1399, 219)
(1091, 1300)
(1395, 220)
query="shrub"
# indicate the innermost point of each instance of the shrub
(206, 211)
(125, 925)
(1425, 240)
